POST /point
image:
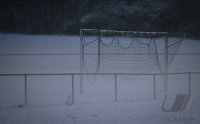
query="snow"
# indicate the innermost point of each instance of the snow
(113, 113)
(60, 48)
(50, 97)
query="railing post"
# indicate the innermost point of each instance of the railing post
(25, 93)
(72, 89)
(115, 87)
(154, 87)
(189, 76)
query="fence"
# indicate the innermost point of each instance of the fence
(112, 74)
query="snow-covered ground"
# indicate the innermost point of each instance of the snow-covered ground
(48, 97)
(112, 113)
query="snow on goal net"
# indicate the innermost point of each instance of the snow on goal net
(107, 51)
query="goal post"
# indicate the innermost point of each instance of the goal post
(109, 51)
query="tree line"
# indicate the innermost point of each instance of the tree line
(68, 16)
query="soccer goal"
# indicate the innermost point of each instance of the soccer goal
(108, 51)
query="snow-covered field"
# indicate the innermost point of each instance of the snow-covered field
(48, 97)
(114, 113)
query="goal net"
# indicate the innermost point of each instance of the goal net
(107, 51)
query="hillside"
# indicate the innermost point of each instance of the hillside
(68, 16)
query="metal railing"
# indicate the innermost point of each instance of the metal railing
(25, 75)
